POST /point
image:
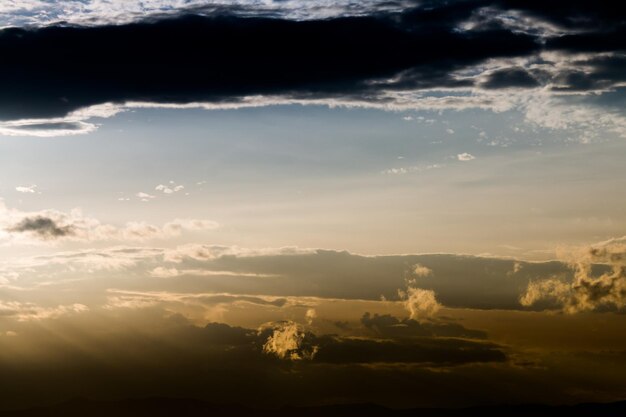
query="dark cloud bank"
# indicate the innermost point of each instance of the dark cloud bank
(107, 356)
(143, 353)
(458, 281)
(50, 71)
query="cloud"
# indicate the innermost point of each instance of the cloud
(210, 252)
(464, 157)
(176, 226)
(310, 316)
(471, 55)
(421, 271)
(388, 326)
(514, 77)
(589, 290)
(457, 281)
(412, 169)
(444, 352)
(205, 303)
(163, 272)
(26, 189)
(288, 340)
(52, 225)
(98, 12)
(420, 303)
(145, 197)
(169, 189)
(43, 227)
(219, 76)
(26, 311)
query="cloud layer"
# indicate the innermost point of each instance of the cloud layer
(400, 55)
(55, 226)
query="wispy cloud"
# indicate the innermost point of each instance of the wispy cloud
(26, 189)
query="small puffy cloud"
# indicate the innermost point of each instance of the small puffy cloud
(517, 267)
(169, 189)
(289, 341)
(26, 189)
(144, 196)
(310, 316)
(421, 304)
(450, 131)
(421, 271)
(464, 157)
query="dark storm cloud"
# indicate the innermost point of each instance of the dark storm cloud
(150, 352)
(600, 72)
(43, 227)
(144, 353)
(435, 352)
(581, 15)
(514, 77)
(50, 71)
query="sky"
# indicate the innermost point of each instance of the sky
(270, 203)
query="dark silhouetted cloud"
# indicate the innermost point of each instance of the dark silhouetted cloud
(388, 326)
(224, 58)
(510, 78)
(43, 227)
(51, 71)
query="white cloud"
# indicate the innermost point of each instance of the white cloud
(164, 272)
(26, 189)
(209, 252)
(169, 189)
(145, 197)
(540, 107)
(411, 169)
(464, 157)
(98, 12)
